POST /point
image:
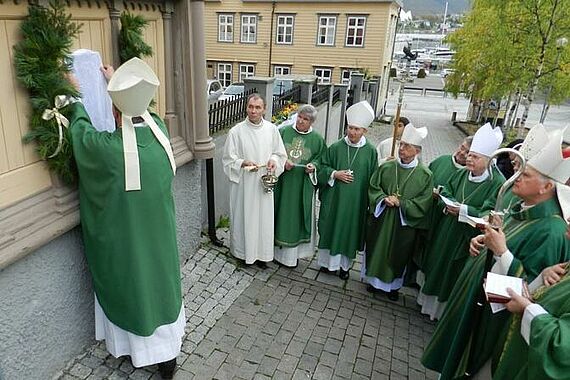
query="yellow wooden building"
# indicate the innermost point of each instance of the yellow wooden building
(327, 38)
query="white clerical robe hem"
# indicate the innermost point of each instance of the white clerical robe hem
(396, 284)
(163, 345)
(530, 312)
(333, 262)
(289, 256)
(431, 306)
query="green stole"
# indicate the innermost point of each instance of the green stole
(389, 245)
(342, 216)
(294, 191)
(536, 237)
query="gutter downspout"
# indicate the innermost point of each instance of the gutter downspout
(271, 38)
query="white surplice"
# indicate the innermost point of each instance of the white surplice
(251, 208)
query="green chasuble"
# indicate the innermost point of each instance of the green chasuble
(535, 237)
(548, 354)
(443, 169)
(342, 215)
(389, 244)
(445, 257)
(129, 236)
(294, 191)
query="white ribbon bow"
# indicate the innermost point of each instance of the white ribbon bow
(60, 102)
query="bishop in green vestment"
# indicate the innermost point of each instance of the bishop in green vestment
(399, 195)
(537, 344)
(343, 178)
(469, 188)
(467, 334)
(295, 190)
(443, 169)
(130, 236)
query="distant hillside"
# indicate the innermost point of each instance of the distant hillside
(431, 7)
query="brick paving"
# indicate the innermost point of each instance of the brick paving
(282, 323)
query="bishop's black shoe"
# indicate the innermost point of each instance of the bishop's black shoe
(166, 369)
(394, 295)
(343, 274)
(261, 264)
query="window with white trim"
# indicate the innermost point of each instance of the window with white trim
(281, 70)
(345, 75)
(246, 71)
(249, 29)
(327, 30)
(225, 28)
(225, 73)
(324, 75)
(285, 30)
(355, 31)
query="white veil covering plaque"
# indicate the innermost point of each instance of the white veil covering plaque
(87, 69)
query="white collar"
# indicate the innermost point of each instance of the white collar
(411, 164)
(455, 163)
(252, 124)
(303, 133)
(480, 178)
(359, 144)
(526, 207)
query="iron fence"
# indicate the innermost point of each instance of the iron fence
(336, 96)
(228, 112)
(320, 96)
(291, 96)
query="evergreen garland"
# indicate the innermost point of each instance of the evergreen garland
(41, 62)
(131, 42)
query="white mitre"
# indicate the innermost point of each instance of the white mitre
(486, 140)
(132, 88)
(360, 115)
(413, 135)
(93, 88)
(549, 161)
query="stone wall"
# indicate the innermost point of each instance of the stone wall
(46, 298)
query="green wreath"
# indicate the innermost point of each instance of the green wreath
(41, 59)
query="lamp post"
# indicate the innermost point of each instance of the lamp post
(560, 43)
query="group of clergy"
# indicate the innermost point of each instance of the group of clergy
(411, 222)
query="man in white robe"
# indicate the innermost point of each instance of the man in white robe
(253, 148)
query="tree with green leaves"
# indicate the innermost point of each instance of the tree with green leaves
(509, 46)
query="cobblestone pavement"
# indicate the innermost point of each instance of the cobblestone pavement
(279, 323)
(282, 323)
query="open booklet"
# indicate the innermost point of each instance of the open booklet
(449, 202)
(473, 221)
(496, 289)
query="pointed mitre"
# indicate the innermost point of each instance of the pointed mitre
(535, 140)
(132, 87)
(486, 140)
(360, 115)
(413, 135)
(549, 161)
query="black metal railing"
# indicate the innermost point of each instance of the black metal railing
(228, 112)
(320, 96)
(291, 96)
(336, 96)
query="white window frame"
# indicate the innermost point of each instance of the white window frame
(352, 31)
(344, 73)
(281, 70)
(246, 70)
(284, 31)
(225, 27)
(323, 31)
(225, 73)
(248, 29)
(321, 77)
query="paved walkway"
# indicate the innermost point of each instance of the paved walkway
(281, 323)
